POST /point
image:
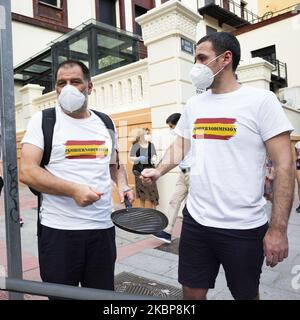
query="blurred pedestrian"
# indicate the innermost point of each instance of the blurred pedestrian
(181, 187)
(143, 155)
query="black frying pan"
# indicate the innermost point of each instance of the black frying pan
(139, 220)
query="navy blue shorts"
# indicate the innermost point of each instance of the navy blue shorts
(203, 249)
(74, 257)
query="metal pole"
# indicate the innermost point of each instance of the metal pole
(66, 291)
(10, 170)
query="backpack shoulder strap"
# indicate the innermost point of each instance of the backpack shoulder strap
(109, 125)
(48, 122)
(111, 129)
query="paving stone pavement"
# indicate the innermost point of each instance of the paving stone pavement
(138, 254)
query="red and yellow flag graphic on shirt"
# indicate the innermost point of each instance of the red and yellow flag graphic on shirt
(214, 128)
(85, 149)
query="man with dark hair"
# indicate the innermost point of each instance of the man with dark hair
(72, 63)
(77, 238)
(229, 129)
(181, 188)
(223, 41)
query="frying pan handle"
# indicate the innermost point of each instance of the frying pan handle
(127, 202)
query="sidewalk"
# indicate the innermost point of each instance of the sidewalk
(147, 266)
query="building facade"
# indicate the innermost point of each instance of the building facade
(145, 92)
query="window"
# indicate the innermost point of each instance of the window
(210, 30)
(139, 11)
(55, 3)
(267, 53)
(140, 7)
(53, 11)
(106, 11)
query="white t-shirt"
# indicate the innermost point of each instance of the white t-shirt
(81, 153)
(227, 133)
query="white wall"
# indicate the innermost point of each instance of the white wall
(29, 40)
(192, 5)
(128, 15)
(285, 35)
(252, 5)
(79, 12)
(24, 7)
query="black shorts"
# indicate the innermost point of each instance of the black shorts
(74, 257)
(203, 249)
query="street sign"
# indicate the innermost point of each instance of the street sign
(187, 46)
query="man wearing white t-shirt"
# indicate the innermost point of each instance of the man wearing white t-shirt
(77, 238)
(229, 128)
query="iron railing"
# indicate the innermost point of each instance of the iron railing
(280, 68)
(234, 8)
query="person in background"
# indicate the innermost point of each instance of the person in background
(143, 155)
(181, 187)
(297, 152)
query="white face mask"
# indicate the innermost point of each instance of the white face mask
(173, 132)
(202, 76)
(148, 137)
(71, 99)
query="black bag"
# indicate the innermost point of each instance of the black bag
(48, 122)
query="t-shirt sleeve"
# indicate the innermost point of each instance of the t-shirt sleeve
(271, 118)
(34, 133)
(183, 127)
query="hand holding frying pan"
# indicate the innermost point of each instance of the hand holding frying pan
(139, 220)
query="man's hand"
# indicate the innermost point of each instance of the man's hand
(126, 192)
(148, 176)
(275, 246)
(85, 195)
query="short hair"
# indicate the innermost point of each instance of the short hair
(173, 118)
(223, 41)
(72, 63)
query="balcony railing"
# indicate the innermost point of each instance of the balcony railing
(227, 11)
(280, 69)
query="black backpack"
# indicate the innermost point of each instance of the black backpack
(48, 122)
